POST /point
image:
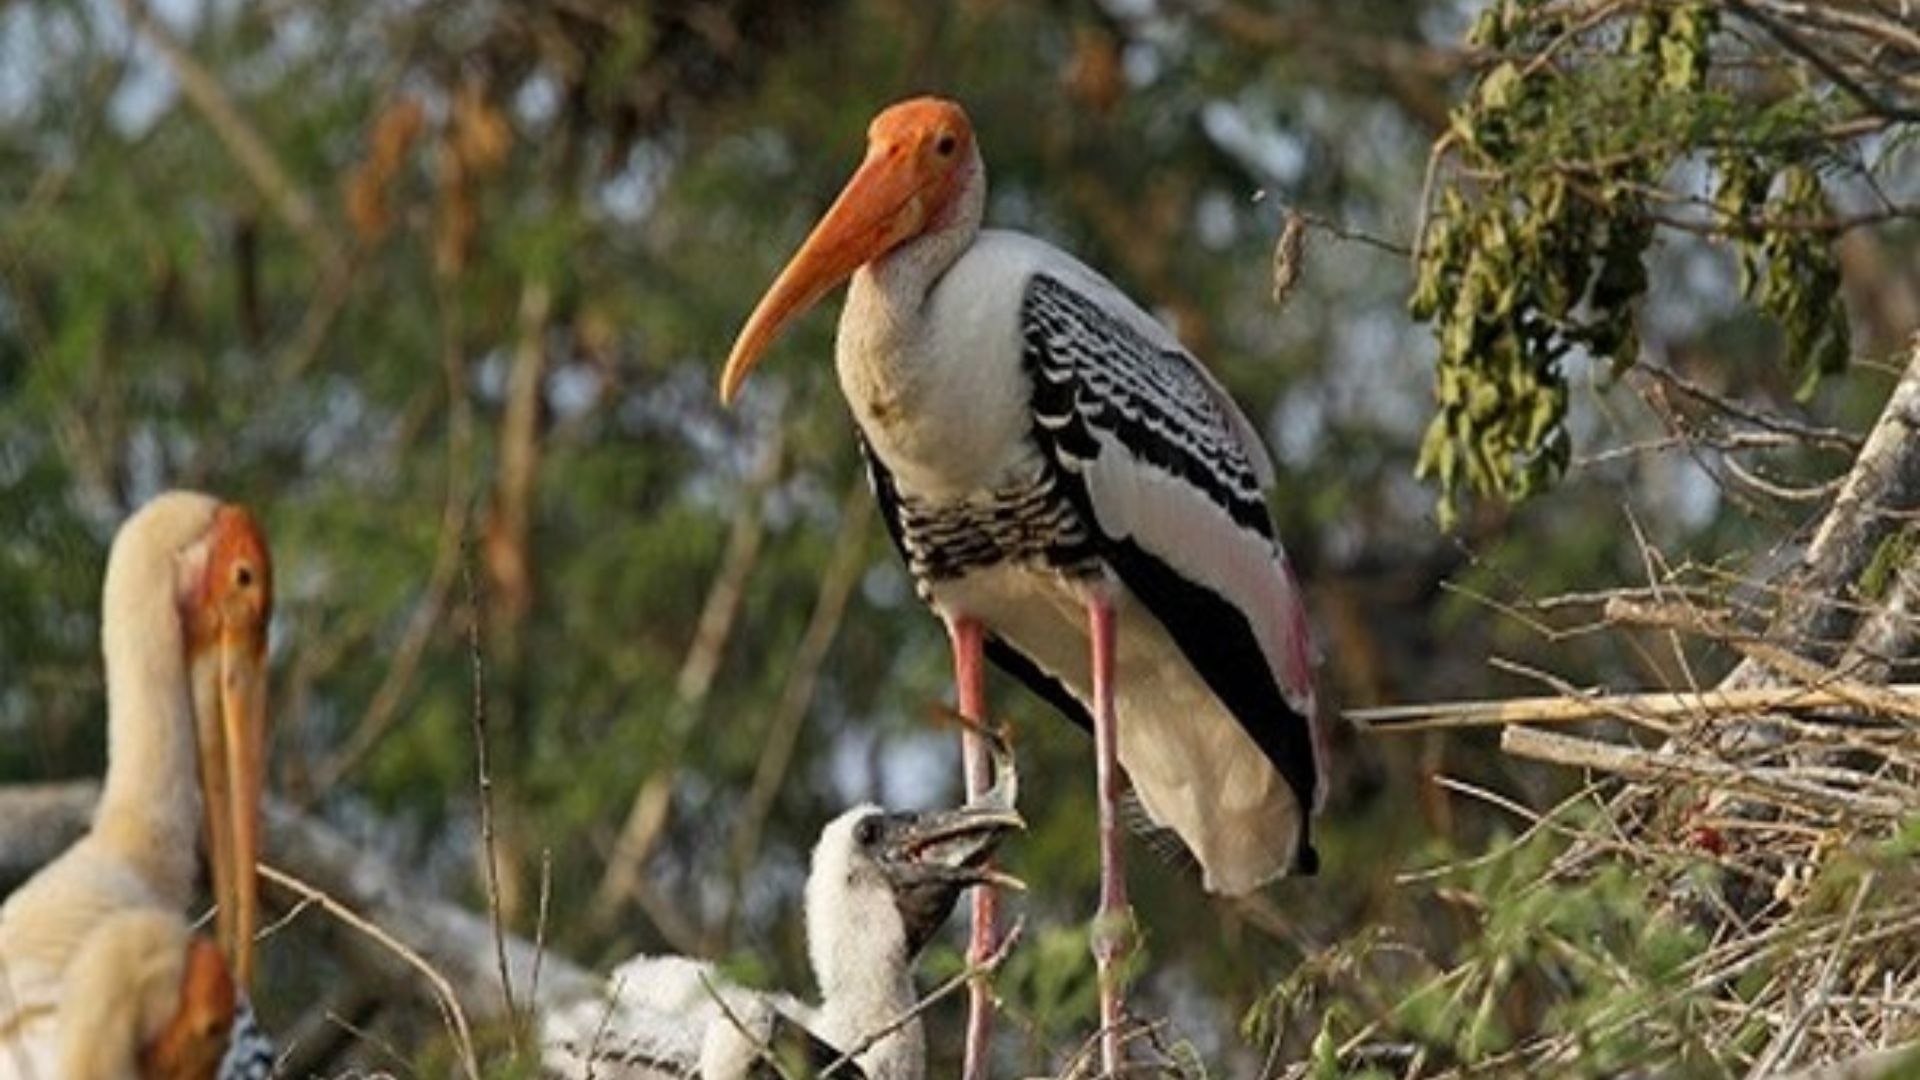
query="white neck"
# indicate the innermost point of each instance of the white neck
(858, 945)
(886, 299)
(862, 992)
(150, 805)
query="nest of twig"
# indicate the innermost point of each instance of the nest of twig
(1780, 837)
(1766, 835)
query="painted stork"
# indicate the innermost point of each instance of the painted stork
(100, 976)
(881, 884)
(1082, 504)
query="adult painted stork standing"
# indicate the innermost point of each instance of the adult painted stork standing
(100, 976)
(1079, 500)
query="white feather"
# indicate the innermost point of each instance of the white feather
(665, 1007)
(945, 402)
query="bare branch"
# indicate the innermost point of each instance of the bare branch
(1783, 784)
(37, 821)
(803, 669)
(1405, 719)
(1795, 44)
(242, 139)
(1883, 486)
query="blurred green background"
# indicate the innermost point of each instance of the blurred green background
(441, 288)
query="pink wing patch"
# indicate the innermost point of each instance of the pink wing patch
(1297, 678)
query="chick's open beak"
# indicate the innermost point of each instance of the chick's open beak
(948, 847)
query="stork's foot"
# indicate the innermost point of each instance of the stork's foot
(1113, 936)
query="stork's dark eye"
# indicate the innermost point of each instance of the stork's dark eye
(867, 832)
(946, 144)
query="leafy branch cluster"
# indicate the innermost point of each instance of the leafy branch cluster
(1558, 165)
(1568, 971)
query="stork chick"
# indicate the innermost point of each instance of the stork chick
(880, 886)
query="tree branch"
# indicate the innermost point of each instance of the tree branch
(242, 140)
(837, 582)
(1818, 599)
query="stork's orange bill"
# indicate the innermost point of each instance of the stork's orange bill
(228, 646)
(914, 152)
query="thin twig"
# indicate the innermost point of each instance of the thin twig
(540, 923)
(1788, 1039)
(762, 1050)
(483, 782)
(1798, 46)
(646, 817)
(241, 138)
(1596, 705)
(1631, 762)
(987, 965)
(837, 583)
(449, 1003)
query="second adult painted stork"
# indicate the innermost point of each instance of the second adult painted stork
(100, 976)
(1079, 500)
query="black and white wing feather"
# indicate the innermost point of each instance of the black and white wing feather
(1173, 479)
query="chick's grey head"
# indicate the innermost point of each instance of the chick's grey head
(887, 880)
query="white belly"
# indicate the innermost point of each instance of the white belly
(1193, 765)
(27, 1027)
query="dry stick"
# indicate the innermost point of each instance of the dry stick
(510, 569)
(762, 1051)
(796, 693)
(326, 1028)
(646, 816)
(383, 709)
(1664, 705)
(1884, 26)
(242, 140)
(1874, 699)
(483, 781)
(383, 712)
(449, 1003)
(1781, 784)
(330, 298)
(1826, 65)
(540, 924)
(1567, 689)
(1888, 1064)
(987, 965)
(1830, 437)
(1788, 1038)
(1882, 487)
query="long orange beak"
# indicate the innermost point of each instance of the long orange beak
(887, 202)
(229, 648)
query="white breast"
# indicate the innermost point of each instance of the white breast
(938, 389)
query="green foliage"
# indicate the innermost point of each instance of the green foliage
(1787, 269)
(1597, 959)
(1536, 247)
(1051, 977)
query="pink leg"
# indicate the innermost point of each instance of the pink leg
(967, 638)
(1110, 926)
